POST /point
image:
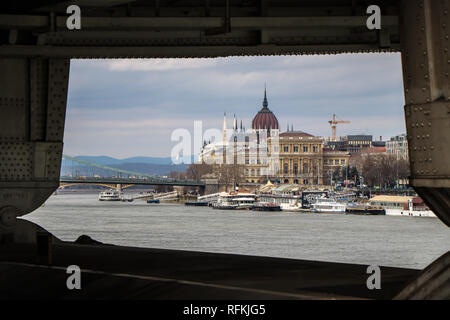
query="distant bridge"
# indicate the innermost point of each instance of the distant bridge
(132, 181)
(83, 172)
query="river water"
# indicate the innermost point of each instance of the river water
(411, 242)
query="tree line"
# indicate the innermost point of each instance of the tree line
(383, 170)
(228, 175)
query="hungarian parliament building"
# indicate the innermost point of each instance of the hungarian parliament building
(266, 154)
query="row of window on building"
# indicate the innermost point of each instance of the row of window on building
(334, 161)
(296, 149)
(252, 172)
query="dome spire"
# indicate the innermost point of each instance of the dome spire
(265, 104)
(265, 119)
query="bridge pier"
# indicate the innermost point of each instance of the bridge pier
(425, 44)
(32, 114)
(211, 186)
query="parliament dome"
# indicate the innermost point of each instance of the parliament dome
(265, 119)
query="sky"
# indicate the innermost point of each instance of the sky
(126, 108)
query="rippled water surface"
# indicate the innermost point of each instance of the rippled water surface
(411, 242)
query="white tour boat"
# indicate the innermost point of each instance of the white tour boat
(235, 201)
(328, 205)
(110, 195)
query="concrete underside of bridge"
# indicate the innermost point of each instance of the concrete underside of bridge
(36, 48)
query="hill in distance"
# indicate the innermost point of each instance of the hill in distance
(106, 160)
(145, 165)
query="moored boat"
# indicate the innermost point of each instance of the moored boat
(110, 195)
(197, 203)
(266, 207)
(402, 206)
(365, 209)
(409, 213)
(286, 202)
(235, 201)
(153, 201)
(327, 205)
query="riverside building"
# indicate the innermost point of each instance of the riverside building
(290, 157)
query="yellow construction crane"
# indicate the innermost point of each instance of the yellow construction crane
(333, 123)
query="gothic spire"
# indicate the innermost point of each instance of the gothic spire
(224, 129)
